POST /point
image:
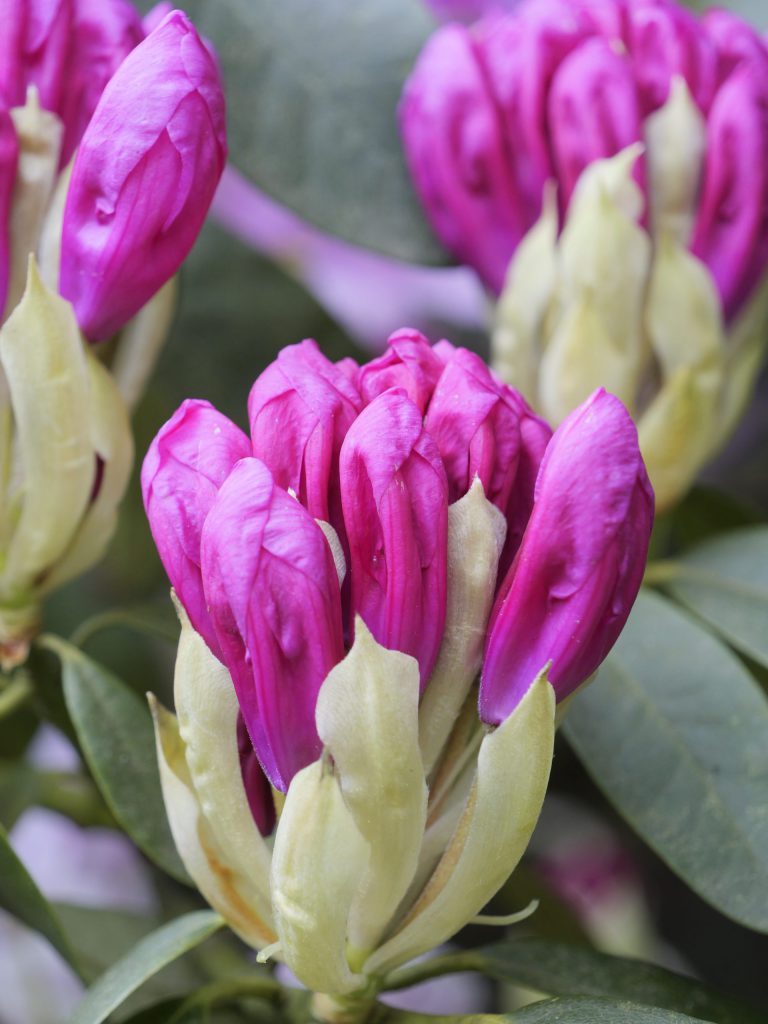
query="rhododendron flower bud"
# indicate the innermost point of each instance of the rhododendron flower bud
(144, 177)
(361, 700)
(275, 601)
(299, 409)
(394, 497)
(188, 461)
(568, 594)
(571, 153)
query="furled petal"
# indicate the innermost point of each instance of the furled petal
(578, 570)
(455, 146)
(300, 408)
(735, 40)
(47, 39)
(731, 230)
(394, 496)
(103, 33)
(593, 111)
(408, 363)
(274, 598)
(144, 177)
(185, 466)
(13, 19)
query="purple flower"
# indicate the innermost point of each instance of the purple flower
(578, 570)
(275, 601)
(144, 177)
(493, 112)
(431, 438)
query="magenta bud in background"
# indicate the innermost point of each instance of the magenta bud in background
(731, 230)
(103, 34)
(255, 782)
(188, 461)
(47, 36)
(408, 363)
(9, 158)
(593, 111)
(144, 177)
(573, 582)
(394, 497)
(274, 598)
(300, 409)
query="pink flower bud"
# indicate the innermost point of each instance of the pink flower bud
(300, 409)
(185, 466)
(144, 177)
(731, 230)
(593, 110)
(9, 157)
(577, 573)
(47, 35)
(255, 782)
(735, 41)
(409, 363)
(394, 497)
(13, 20)
(275, 602)
(103, 33)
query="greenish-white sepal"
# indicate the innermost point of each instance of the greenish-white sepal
(112, 441)
(368, 718)
(39, 133)
(318, 862)
(204, 854)
(611, 179)
(141, 342)
(49, 248)
(207, 710)
(596, 337)
(476, 534)
(745, 352)
(676, 138)
(522, 308)
(679, 430)
(336, 549)
(499, 817)
(45, 365)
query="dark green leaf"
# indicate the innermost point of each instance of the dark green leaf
(313, 90)
(725, 581)
(595, 1011)
(674, 733)
(116, 736)
(21, 897)
(564, 970)
(147, 958)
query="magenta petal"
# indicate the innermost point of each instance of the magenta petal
(300, 408)
(13, 20)
(735, 41)
(144, 177)
(47, 40)
(274, 598)
(731, 229)
(394, 497)
(256, 783)
(593, 110)
(183, 470)
(458, 157)
(9, 158)
(578, 570)
(103, 34)
(408, 363)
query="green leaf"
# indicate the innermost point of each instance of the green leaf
(674, 733)
(595, 1011)
(115, 732)
(313, 90)
(559, 969)
(147, 958)
(21, 897)
(152, 619)
(725, 581)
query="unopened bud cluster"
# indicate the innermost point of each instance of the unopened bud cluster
(602, 165)
(384, 591)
